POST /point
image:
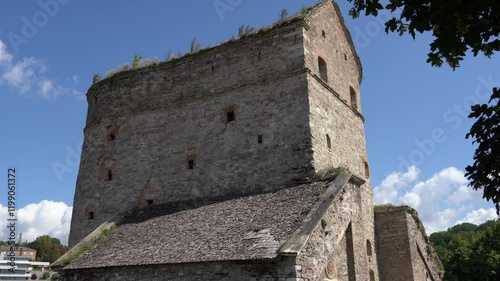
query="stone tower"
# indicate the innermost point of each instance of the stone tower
(250, 116)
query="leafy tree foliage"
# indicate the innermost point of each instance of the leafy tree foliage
(458, 260)
(47, 248)
(458, 27)
(469, 252)
(485, 172)
(463, 227)
(440, 240)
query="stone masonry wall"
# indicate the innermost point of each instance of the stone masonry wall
(426, 264)
(403, 250)
(337, 125)
(337, 129)
(337, 248)
(393, 246)
(163, 134)
(326, 38)
(272, 270)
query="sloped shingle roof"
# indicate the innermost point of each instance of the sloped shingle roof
(247, 228)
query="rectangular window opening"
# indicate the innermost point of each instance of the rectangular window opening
(259, 138)
(191, 164)
(230, 117)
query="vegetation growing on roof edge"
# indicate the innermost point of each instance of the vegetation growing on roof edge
(328, 173)
(387, 206)
(85, 247)
(195, 47)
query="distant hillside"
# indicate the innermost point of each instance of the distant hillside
(469, 252)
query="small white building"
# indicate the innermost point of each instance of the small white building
(18, 267)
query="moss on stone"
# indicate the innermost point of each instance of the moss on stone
(89, 245)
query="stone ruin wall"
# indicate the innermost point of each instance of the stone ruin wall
(403, 249)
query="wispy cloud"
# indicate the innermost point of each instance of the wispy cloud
(28, 74)
(479, 216)
(43, 218)
(5, 57)
(22, 74)
(442, 200)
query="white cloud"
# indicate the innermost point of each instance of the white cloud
(29, 74)
(44, 218)
(441, 200)
(388, 190)
(479, 216)
(22, 74)
(5, 57)
(48, 90)
(46, 87)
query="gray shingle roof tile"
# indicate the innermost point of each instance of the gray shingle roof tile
(247, 228)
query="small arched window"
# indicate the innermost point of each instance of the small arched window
(372, 275)
(191, 162)
(323, 69)
(328, 142)
(112, 132)
(90, 212)
(354, 99)
(367, 170)
(369, 250)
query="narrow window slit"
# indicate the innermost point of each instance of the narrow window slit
(323, 69)
(230, 117)
(354, 99)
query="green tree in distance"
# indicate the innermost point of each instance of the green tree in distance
(47, 248)
(469, 252)
(457, 26)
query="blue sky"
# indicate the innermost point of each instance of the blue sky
(416, 115)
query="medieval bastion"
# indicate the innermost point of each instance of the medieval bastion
(227, 131)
